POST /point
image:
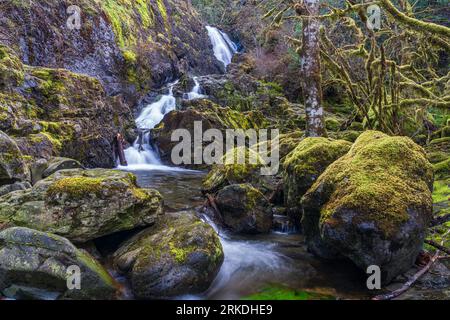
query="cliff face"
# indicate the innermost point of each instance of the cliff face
(67, 91)
(131, 46)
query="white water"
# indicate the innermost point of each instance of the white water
(196, 91)
(141, 156)
(223, 47)
(244, 262)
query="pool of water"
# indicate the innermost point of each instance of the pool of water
(254, 263)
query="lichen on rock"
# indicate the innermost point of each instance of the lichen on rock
(179, 255)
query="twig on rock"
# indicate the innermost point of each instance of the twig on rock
(414, 278)
(408, 283)
(213, 204)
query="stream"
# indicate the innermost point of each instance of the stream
(256, 262)
(252, 263)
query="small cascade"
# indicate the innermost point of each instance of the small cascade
(196, 91)
(282, 224)
(141, 153)
(223, 47)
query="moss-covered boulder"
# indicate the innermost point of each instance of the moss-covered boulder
(34, 265)
(306, 163)
(373, 205)
(83, 204)
(179, 255)
(13, 165)
(211, 116)
(235, 172)
(244, 209)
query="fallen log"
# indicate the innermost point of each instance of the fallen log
(437, 246)
(440, 220)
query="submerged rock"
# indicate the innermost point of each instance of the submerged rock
(34, 265)
(179, 255)
(83, 204)
(306, 163)
(13, 166)
(244, 209)
(373, 205)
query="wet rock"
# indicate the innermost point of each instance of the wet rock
(55, 112)
(373, 205)
(234, 172)
(43, 168)
(179, 255)
(34, 265)
(14, 187)
(83, 204)
(244, 209)
(109, 45)
(13, 166)
(306, 163)
(211, 116)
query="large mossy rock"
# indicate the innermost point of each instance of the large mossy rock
(306, 163)
(82, 205)
(179, 255)
(13, 166)
(373, 205)
(244, 209)
(34, 265)
(235, 171)
(211, 116)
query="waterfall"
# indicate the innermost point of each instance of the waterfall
(224, 48)
(196, 91)
(141, 154)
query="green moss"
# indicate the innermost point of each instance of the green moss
(313, 155)
(441, 191)
(437, 156)
(97, 268)
(283, 293)
(380, 178)
(442, 169)
(76, 187)
(232, 172)
(11, 68)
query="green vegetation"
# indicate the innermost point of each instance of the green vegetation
(282, 293)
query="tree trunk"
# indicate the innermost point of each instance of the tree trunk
(310, 67)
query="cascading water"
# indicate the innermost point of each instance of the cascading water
(196, 91)
(141, 154)
(223, 47)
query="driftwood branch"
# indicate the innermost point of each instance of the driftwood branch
(213, 204)
(410, 282)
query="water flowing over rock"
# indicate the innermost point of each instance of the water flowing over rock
(179, 255)
(34, 265)
(130, 47)
(142, 152)
(82, 205)
(373, 205)
(223, 47)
